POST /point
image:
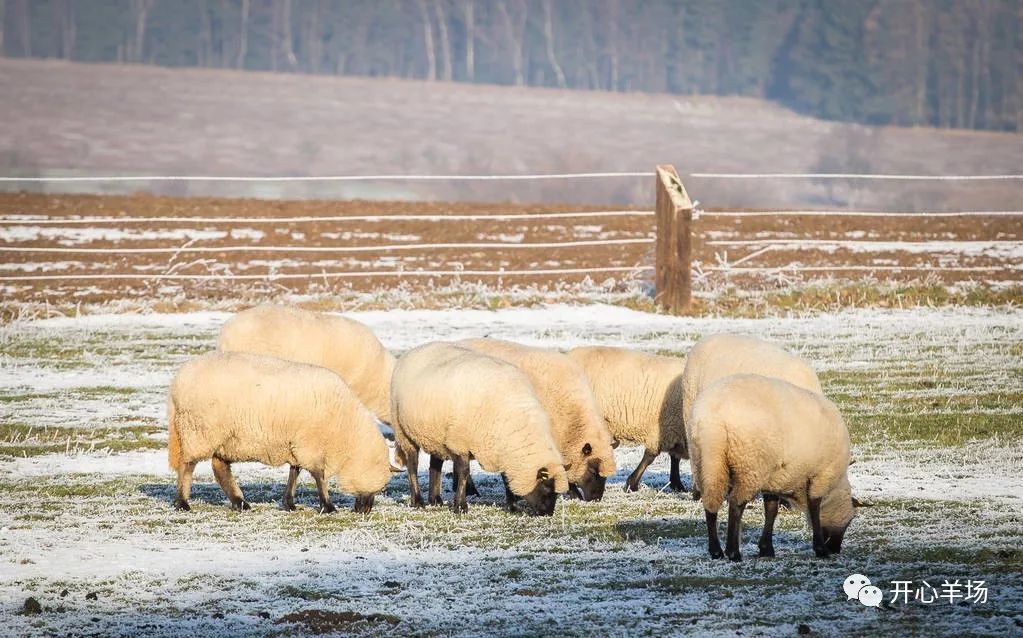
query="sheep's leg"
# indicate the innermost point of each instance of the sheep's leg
(713, 544)
(412, 465)
(436, 463)
(766, 543)
(364, 504)
(470, 486)
(632, 483)
(675, 481)
(289, 489)
(509, 495)
(735, 511)
(575, 492)
(222, 472)
(458, 504)
(326, 506)
(184, 486)
(814, 505)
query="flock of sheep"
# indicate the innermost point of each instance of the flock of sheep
(310, 390)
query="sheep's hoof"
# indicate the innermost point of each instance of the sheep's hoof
(459, 508)
(696, 495)
(766, 552)
(677, 487)
(240, 506)
(716, 553)
(417, 503)
(822, 552)
(436, 501)
(290, 507)
(328, 508)
(735, 556)
(631, 487)
(182, 505)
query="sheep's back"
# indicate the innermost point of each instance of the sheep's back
(338, 343)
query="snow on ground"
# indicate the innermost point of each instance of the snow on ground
(100, 522)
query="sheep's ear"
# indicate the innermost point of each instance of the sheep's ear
(542, 474)
(615, 443)
(858, 503)
(587, 450)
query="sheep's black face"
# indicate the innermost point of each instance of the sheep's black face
(833, 537)
(543, 498)
(592, 483)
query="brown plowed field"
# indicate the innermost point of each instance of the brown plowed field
(791, 242)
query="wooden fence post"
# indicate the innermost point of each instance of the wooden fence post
(673, 278)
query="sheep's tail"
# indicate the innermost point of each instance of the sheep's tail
(710, 467)
(173, 437)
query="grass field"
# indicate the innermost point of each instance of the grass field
(933, 399)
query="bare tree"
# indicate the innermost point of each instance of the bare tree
(613, 15)
(470, 40)
(445, 41)
(140, 10)
(515, 33)
(285, 38)
(548, 32)
(431, 56)
(204, 50)
(243, 36)
(25, 28)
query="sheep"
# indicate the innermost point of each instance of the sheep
(337, 343)
(453, 402)
(576, 422)
(718, 356)
(640, 397)
(750, 433)
(232, 407)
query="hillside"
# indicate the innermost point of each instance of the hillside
(77, 118)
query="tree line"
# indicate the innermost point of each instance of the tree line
(944, 63)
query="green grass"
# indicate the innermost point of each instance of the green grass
(21, 439)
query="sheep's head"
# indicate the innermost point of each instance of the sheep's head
(592, 481)
(542, 498)
(838, 508)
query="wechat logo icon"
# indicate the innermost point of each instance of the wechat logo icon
(858, 587)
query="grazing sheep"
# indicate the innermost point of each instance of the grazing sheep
(640, 396)
(244, 407)
(719, 356)
(337, 343)
(577, 425)
(722, 355)
(453, 402)
(750, 433)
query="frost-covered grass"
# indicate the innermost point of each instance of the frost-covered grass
(933, 398)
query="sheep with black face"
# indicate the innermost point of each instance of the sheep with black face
(753, 434)
(455, 403)
(576, 421)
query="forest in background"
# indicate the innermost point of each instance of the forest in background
(942, 63)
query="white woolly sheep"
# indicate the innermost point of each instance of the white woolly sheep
(337, 343)
(453, 402)
(750, 433)
(718, 356)
(243, 407)
(577, 424)
(640, 396)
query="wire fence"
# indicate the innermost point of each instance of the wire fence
(744, 265)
